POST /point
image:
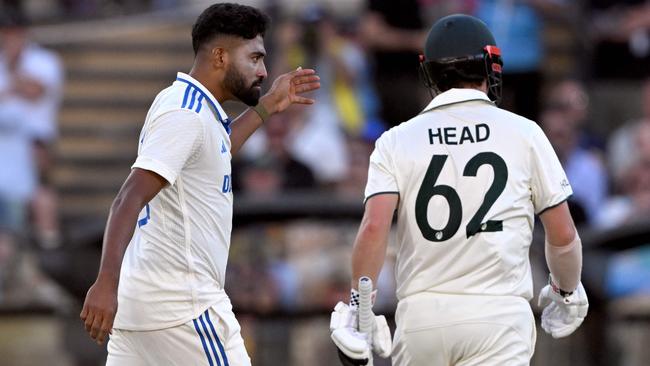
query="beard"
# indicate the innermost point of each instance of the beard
(235, 82)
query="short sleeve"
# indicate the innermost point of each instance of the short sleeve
(169, 142)
(549, 184)
(381, 172)
(50, 73)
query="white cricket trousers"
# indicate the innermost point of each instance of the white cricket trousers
(212, 339)
(463, 330)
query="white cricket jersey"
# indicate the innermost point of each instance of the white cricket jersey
(470, 177)
(174, 267)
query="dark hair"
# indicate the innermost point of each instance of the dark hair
(228, 19)
(458, 74)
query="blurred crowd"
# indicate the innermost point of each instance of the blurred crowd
(595, 110)
(71, 10)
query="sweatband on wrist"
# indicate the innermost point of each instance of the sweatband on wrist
(262, 112)
(565, 263)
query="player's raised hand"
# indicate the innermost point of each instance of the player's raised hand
(288, 88)
(99, 310)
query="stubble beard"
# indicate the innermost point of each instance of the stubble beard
(235, 82)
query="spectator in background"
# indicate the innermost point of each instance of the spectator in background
(583, 168)
(296, 175)
(260, 177)
(517, 26)
(32, 77)
(570, 96)
(622, 150)
(633, 202)
(315, 40)
(30, 87)
(276, 170)
(621, 31)
(355, 181)
(17, 182)
(393, 32)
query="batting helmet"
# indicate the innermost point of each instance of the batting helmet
(461, 48)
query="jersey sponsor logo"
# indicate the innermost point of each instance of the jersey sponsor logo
(452, 135)
(226, 187)
(223, 147)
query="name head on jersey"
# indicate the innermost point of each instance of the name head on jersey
(228, 41)
(460, 51)
(458, 136)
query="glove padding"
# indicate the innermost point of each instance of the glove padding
(562, 315)
(354, 345)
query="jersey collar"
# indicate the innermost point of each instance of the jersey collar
(454, 96)
(219, 113)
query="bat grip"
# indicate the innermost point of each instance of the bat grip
(366, 317)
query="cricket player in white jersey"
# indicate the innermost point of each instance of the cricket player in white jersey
(168, 234)
(466, 179)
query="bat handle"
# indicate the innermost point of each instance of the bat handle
(366, 316)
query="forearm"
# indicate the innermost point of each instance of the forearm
(245, 124)
(119, 230)
(29, 88)
(369, 253)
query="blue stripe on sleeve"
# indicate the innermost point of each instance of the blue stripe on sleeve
(226, 123)
(191, 106)
(205, 347)
(214, 333)
(207, 334)
(187, 93)
(200, 102)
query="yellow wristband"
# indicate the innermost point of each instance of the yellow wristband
(262, 112)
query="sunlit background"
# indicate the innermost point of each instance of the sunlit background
(78, 76)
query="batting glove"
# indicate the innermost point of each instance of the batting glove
(563, 311)
(354, 346)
